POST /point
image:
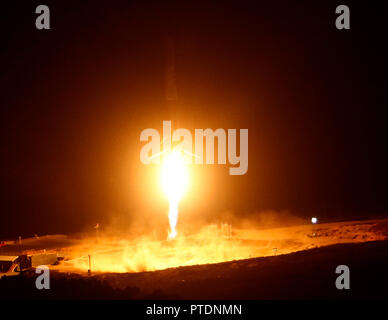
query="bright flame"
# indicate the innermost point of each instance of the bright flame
(174, 183)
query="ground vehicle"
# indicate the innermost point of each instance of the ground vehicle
(13, 265)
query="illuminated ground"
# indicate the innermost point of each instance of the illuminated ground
(209, 245)
(306, 274)
(302, 266)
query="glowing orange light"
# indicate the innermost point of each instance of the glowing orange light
(174, 180)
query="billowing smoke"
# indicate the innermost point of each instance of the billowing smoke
(142, 245)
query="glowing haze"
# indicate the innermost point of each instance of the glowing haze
(125, 252)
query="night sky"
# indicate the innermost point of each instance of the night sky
(75, 98)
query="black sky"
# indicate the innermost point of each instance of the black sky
(75, 98)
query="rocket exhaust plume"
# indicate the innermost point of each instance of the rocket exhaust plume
(174, 183)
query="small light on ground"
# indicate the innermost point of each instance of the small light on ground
(314, 220)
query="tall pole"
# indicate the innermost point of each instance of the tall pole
(90, 265)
